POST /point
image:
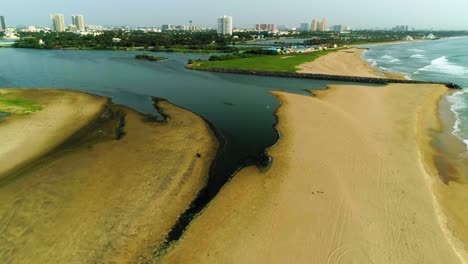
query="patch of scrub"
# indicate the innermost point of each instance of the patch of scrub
(13, 104)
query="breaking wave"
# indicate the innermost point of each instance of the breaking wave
(416, 50)
(417, 56)
(459, 106)
(444, 66)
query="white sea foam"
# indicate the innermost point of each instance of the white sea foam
(416, 50)
(389, 59)
(418, 56)
(444, 66)
(459, 104)
(372, 62)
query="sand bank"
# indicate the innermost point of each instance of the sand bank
(97, 199)
(347, 185)
(345, 62)
(26, 137)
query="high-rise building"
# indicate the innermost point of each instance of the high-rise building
(78, 21)
(315, 25)
(2, 22)
(319, 25)
(58, 22)
(324, 25)
(304, 27)
(225, 25)
(338, 28)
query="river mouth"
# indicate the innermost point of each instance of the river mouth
(240, 109)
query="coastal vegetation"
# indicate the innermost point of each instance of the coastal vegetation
(149, 57)
(12, 104)
(252, 61)
(197, 42)
(355, 37)
(206, 41)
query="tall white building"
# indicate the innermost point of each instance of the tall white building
(78, 21)
(225, 25)
(58, 22)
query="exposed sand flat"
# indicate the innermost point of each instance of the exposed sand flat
(102, 200)
(344, 62)
(24, 138)
(347, 185)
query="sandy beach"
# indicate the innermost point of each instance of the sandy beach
(345, 62)
(27, 137)
(99, 198)
(347, 185)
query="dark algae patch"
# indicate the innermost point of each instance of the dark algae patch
(149, 57)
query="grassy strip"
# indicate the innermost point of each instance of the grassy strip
(282, 63)
(13, 105)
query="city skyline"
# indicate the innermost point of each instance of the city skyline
(359, 13)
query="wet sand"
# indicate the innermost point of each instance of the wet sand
(451, 164)
(100, 199)
(347, 185)
(345, 62)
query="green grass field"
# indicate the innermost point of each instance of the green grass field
(283, 63)
(9, 103)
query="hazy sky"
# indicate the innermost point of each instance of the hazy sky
(437, 14)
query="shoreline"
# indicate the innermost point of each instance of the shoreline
(347, 62)
(260, 216)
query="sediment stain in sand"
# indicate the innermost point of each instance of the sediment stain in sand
(347, 185)
(449, 161)
(97, 199)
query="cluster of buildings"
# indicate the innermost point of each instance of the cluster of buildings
(322, 26)
(265, 27)
(319, 25)
(58, 23)
(401, 28)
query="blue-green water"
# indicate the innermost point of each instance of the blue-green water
(442, 60)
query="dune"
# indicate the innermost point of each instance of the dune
(348, 184)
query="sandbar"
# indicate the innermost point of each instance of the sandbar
(348, 184)
(111, 192)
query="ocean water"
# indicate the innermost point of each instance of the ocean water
(441, 60)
